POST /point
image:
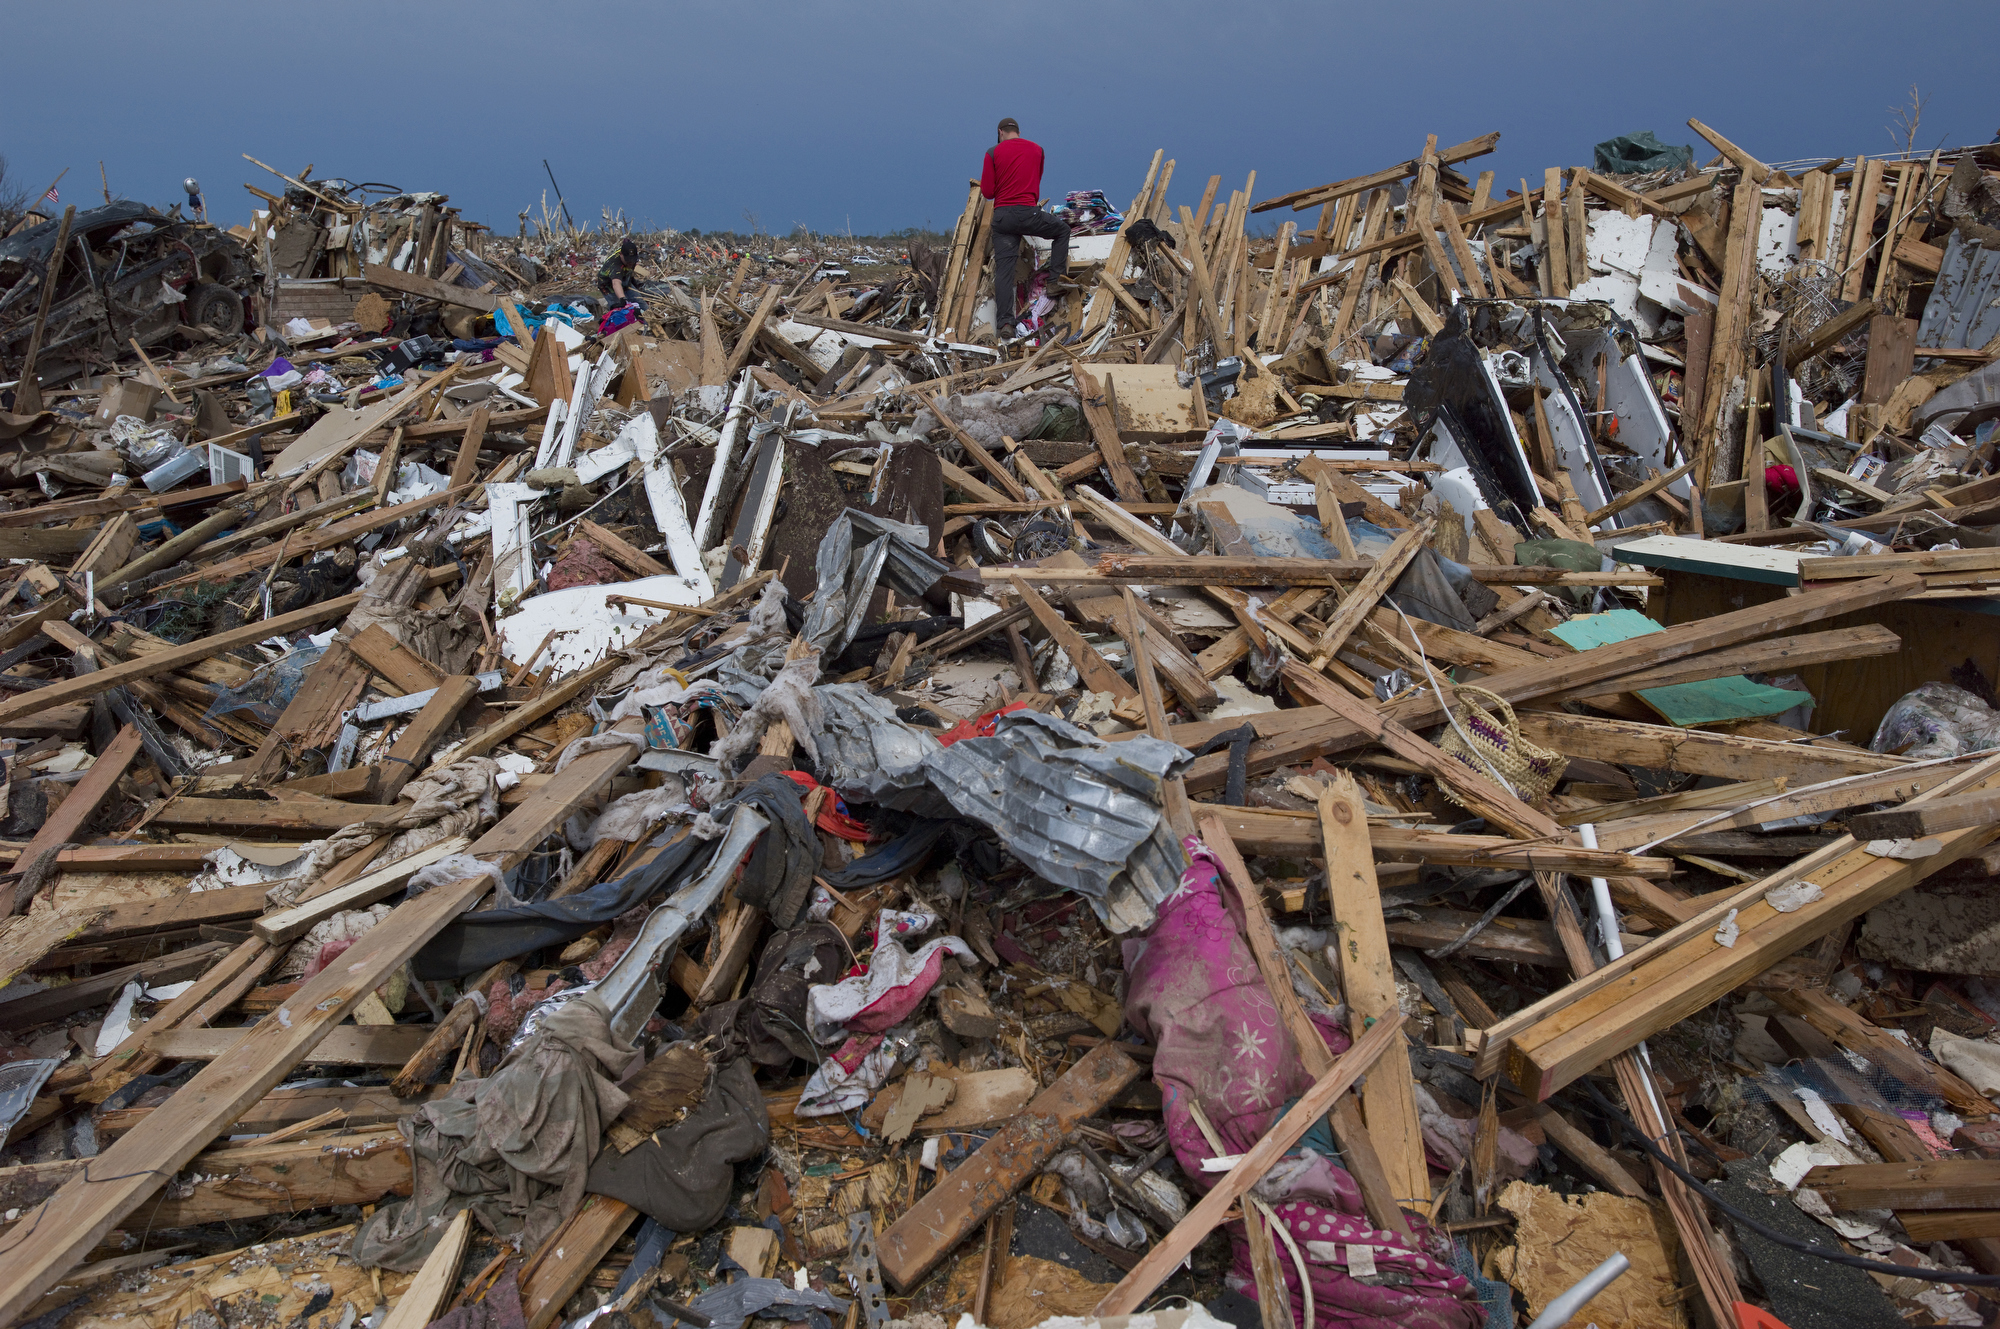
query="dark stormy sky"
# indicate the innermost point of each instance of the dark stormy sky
(872, 116)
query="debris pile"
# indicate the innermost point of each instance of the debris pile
(1439, 766)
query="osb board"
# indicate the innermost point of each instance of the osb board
(267, 1284)
(1027, 1289)
(1152, 404)
(1560, 1238)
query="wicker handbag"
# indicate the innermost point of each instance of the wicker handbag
(1497, 745)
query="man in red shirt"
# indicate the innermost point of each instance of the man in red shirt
(1012, 178)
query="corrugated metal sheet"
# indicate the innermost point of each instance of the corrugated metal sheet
(1964, 308)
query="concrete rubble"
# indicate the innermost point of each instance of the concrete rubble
(1337, 775)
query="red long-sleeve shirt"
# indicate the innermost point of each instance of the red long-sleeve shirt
(1012, 175)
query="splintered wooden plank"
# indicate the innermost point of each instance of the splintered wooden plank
(394, 663)
(414, 744)
(85, 797)
(1551, 1042)
(290, 924)
(1102, 418)
(426, 1295)
(1368, 982)
(954, 1208)
(1096, 671)
(310, 818)
(1358, 603)
(331, 685)
(570, 1255)
(348, 1045)
(189, 909)
(246, 1180)
(26, 938)
(1942, 1183)
(281, 1108)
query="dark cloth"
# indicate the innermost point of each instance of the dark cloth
(1009, 224)
(778, 877)
(906, 853)
(515, 1148)
(769, 1025)
(473, 942)
(681, 1178)
(1012, 174)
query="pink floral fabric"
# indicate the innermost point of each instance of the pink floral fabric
(1195, 992)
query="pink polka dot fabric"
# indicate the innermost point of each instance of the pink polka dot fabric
(1195, 992)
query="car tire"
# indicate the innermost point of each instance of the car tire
(217, 306)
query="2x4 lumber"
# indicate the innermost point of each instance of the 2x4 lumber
(139, 1163)
(1548, 1044)
(1102, 418)
(1291, 835)
(414, 744)
(1358, 603)
(1191, 570)
(747, 341)
(1136, 1288)
(1097, 673)
(347, 1045)
(1695, 751)
(1368, 983)
(1829, 332)
(1937, 1183)
(288, 925)
(1891, 786)
(284, 1108)
(242, 1181)
(1915, 822)
(955, 1207)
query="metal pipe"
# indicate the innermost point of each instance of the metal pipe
(1564, 1308)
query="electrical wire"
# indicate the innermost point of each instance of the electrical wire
(1769, 1233)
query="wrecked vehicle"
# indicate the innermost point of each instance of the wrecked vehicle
(129, 273)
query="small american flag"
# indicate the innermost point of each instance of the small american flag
(52, 196)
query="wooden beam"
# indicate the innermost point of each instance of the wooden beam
(1776, 656)
(1695, 751)
(1916, 822)
(1097, 673)
(1829, 333)
(960, 1201)
(163, 662)
(347, 1045)
(1301, 199)
(414, 744)
(428, 288)
(1368, 984)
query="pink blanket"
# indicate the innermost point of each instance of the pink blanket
(1194, 991)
